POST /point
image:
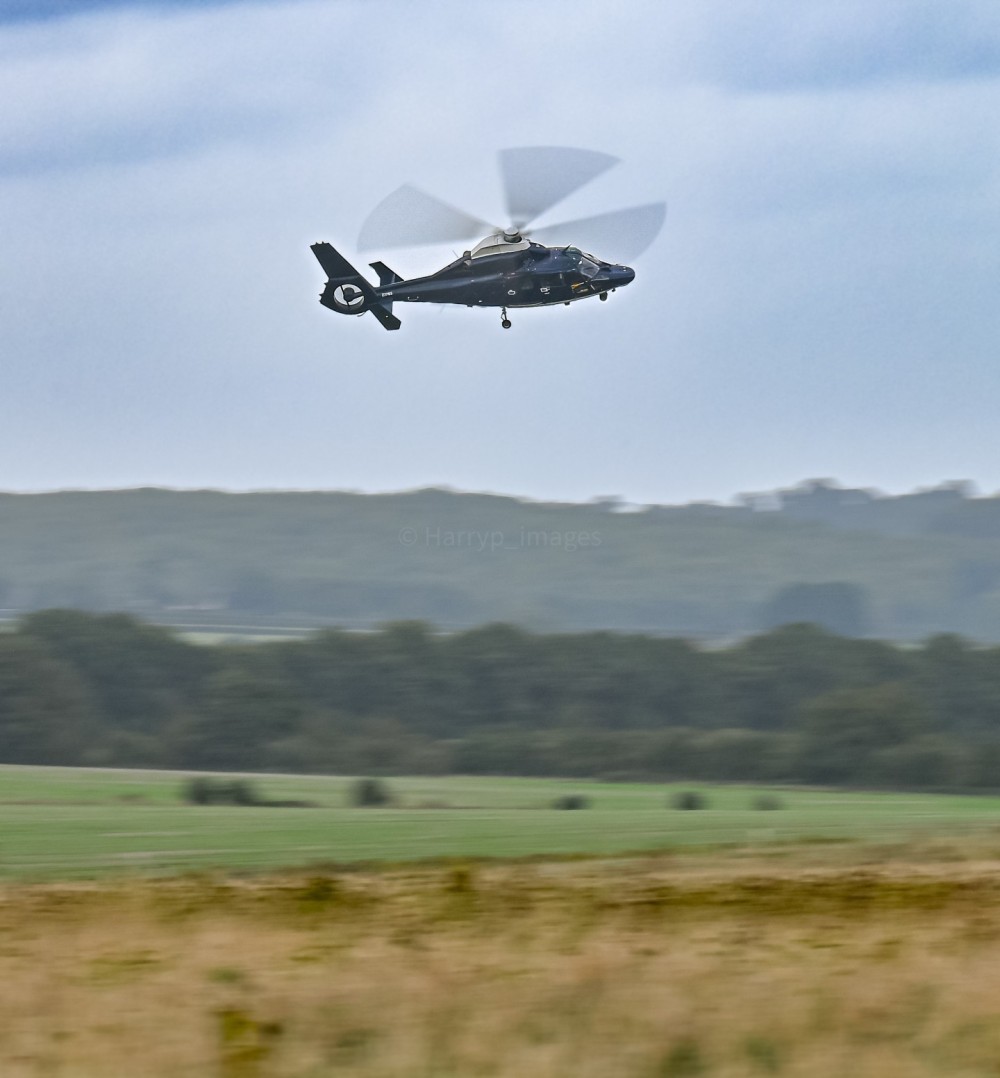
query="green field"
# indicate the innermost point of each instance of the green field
(60, 822)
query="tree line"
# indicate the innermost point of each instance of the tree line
(797, 704)
(894, 567)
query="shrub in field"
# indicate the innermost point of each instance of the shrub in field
(689, 799)
(460, 881)
(242, 792)
(320, 889)
(203, 790)
(571, 801)
(768, 802)
(198, 791)
(370, 793)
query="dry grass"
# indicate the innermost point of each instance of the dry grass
(802, 962)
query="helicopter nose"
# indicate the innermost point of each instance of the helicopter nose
(617, 276)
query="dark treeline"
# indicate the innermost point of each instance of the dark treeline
(797, 704)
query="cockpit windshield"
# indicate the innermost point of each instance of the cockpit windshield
(586, 264)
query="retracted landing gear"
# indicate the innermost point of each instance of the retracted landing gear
(505, 321)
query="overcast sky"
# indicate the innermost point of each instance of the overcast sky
(824, 299)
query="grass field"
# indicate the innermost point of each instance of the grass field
(61, 822)
(667, 966)
(750, 945)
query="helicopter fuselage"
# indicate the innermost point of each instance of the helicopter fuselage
(532, 277)
(500, 271)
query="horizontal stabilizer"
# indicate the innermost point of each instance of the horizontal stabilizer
(386, 276)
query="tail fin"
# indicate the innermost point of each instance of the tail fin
(346, 291)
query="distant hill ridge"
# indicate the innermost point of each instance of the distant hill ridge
(901, 567)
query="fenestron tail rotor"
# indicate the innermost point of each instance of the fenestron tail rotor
(535, 178)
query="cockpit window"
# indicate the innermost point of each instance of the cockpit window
(585, 264)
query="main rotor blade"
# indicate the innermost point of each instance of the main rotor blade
(410, 217)
(535, 178)
(621, 235)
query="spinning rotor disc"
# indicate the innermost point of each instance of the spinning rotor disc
(535, 178)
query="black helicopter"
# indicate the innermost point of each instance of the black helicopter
(511, 267)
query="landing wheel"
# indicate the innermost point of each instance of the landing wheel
(604, 296)
(505, 320)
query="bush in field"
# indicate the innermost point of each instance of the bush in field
(767, 802)
(370, 793)
(198, 791)
(689, 800)
(242, 792)
(571, 801)
(202, 790)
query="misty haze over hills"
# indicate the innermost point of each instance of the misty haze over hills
(861, 563)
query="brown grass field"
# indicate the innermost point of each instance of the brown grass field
(836, 960)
